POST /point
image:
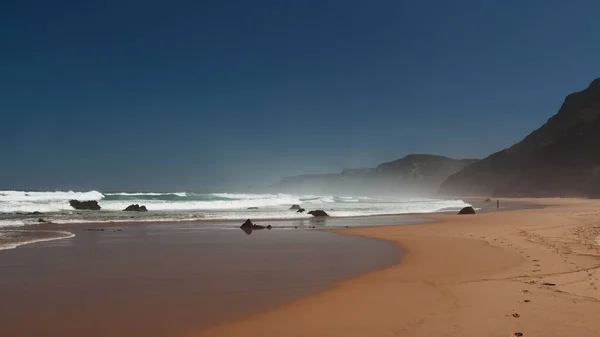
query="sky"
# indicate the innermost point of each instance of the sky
(208, 95)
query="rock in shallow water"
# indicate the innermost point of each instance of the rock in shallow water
(91, 205)
(136, 208)
(467, 210)
(248, 227)
(318, 212)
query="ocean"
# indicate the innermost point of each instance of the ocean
(17, 207)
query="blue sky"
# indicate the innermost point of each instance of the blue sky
(214, 94)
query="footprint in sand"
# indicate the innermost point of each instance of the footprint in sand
(536, 270)
(524, 301)
(536, 265)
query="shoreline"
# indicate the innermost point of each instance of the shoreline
(436, 292)
(316, 223)
(164, 281)
(38, 236)
(54, 229)
(271, 213)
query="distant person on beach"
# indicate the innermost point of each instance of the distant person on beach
(497, 204)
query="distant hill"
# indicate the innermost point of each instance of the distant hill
(561, 158)
(416, 174)
(346, 182)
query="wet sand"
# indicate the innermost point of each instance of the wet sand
(530, 272)
(169, 279)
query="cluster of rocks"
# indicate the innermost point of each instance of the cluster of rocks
(299, 209)
(136, 208)
(92, 205)
(248, 227)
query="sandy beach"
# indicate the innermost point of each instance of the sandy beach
(530, 271)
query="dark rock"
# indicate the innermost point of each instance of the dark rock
(318, 213)
(252, 208)
(301, 210)
(248, 227)
(247, 224)
(295, 207)
(467, 210)
(36, 213)
(136, 208)
(41, 220)
(91, 205)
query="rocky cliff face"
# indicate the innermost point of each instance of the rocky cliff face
(411, 175)
(561, 158)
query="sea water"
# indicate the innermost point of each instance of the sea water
(17, 207)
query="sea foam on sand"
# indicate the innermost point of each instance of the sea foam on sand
(11, 239)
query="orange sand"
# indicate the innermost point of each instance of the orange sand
(463, 276)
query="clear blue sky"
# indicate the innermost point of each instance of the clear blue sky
(207, 94)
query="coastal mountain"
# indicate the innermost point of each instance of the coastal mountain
(419, 174)
(415, 174)
(346, 182)
(561, 158)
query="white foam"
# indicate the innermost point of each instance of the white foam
(13, 245)
(127, 194)
(23, 201)
(232, 206)
(48, 196)
(11, 223)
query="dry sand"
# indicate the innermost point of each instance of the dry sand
(472, 275)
